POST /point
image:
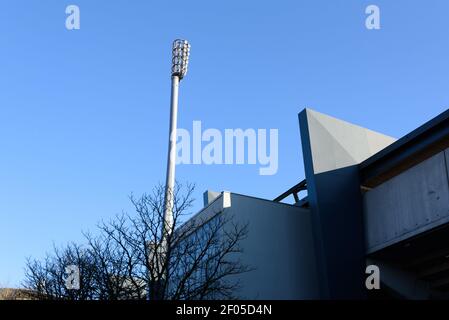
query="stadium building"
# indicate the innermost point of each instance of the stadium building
(368, 199)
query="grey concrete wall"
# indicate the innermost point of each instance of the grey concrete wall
(417, 200)
(279, 246)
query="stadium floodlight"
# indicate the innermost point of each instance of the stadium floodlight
(180, 61)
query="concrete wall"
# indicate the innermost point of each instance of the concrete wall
(417, 200)
(279, 246)
(332, 150)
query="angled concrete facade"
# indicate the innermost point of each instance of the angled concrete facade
(332, 149)
(371, 199)
(335, 144)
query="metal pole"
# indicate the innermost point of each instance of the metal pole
(180, 61)
(171, 159)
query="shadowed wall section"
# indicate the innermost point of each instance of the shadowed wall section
(332, 150)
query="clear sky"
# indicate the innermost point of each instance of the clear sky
(84, 113)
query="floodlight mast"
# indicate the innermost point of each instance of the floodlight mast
(180, 61)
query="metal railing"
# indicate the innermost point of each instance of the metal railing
(293, 191)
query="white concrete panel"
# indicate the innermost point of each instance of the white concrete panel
(338, 144)
(226, 199)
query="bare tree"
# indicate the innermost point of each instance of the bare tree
(48, 278)
(132, 258)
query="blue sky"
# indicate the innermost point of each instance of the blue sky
(84, 114)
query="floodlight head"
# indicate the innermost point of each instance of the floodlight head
(180, 60)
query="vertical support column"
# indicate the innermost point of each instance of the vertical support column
(332, 150)
(171, 159)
